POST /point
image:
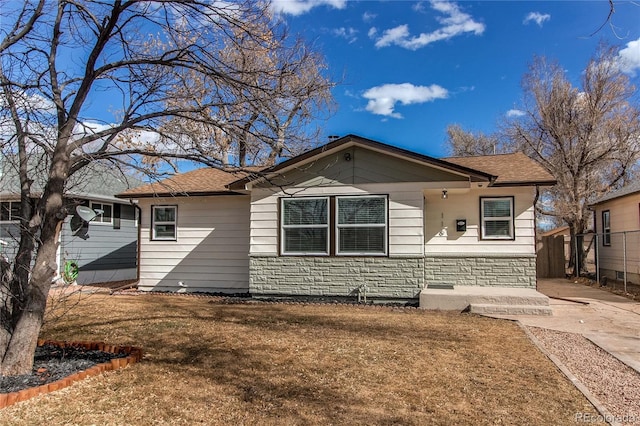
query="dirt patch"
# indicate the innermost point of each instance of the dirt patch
(616, 287)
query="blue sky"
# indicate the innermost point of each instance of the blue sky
(409, 69)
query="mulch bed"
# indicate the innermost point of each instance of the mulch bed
(52, 363)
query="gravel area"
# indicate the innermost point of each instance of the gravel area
(613, 383)
(52, 363)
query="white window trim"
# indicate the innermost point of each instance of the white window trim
(385, 225)
(154, 237)
(606, 231)
(511, 219)
(11, 220)
(101, 222)
(283, 227)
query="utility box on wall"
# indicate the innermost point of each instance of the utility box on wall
(461, 225)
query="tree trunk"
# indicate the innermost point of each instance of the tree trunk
(23, 308)
(576, 232)
(20, 335)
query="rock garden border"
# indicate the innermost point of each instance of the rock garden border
(134, 354)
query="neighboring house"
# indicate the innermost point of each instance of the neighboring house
(104, 250)
(617, 221)
(349, 218)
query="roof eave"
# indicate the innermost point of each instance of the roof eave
(177, 194)
(614, 198)
(525, 183)
(358, 140)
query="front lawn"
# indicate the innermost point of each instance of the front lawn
(207, 362)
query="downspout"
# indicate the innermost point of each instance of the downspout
(139, 220)
(535, 229)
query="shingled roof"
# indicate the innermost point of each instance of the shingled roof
(204, 181)
(500, 170)
(630, 189)
(97, 180)
(511, 169)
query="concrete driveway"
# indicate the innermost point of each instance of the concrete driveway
(610, 321)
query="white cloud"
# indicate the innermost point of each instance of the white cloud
(397, 35)
(349, 34)
(298, 7)
(515, 113)
(382, 99)
(418, 6)
(629, 57)
(454, 22)
(372, 32)
(537, 17)
(30, 102)
(368, 16)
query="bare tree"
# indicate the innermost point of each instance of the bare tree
(57, 55)
(587, 137)
(462, 143)
(268, 127)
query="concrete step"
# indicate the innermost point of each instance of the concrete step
(508, 299)
(504, 309)
(460, 298)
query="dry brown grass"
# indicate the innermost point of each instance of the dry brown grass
(213, 363)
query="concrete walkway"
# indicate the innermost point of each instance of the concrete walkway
(610, 321)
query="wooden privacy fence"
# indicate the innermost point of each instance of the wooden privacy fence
(550, 262)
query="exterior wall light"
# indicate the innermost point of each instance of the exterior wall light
(444, 194)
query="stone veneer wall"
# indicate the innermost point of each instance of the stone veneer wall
(481, 270)
(385, 277)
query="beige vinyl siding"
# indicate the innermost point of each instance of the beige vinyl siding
(405, 227)
(441, 215)
(211, 250)
(364, 166)
(625, 213)
(624, 216)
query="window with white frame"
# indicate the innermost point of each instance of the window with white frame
(361, 225)
(606, 228)
(164, 223)
(496, 215)
(338, 225)
(104, 212)
(305, 226)
(9, 211)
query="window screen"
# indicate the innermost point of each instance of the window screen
(497, 218)
(305, 226)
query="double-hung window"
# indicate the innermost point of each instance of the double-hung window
(164, 223)
(606, 228)
(337, 225)
(104, 212)
(496, 215)
(9, 211)
(305, 226)
(361, 225)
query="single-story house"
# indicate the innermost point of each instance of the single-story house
(351, 218)
(104, 249)
(617, 223)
